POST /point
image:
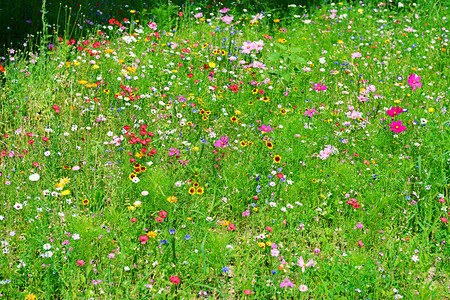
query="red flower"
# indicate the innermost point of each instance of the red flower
(133, 220)
(143, 239)
(163, 214)
(80, 262)
(247, 292)
(175, 279)
(360, 244)
(279, 175)
(269, 228)
(45, 139)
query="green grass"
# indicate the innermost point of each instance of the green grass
(226, 208)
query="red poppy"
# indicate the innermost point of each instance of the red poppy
(143, 239)
(175, 279)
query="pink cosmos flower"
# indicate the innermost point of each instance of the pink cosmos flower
(397, 127)
(311, 112)
(286, 283)
(394, 111)
(222, 142)
(414, 81)
(174, 151)
(265, 128)
(301, 263)
(319, 87)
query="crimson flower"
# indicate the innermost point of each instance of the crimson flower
(397, 127)
(175, 279)
(394, 111)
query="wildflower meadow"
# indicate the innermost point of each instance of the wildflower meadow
(226, 150)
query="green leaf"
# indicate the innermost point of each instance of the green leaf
(297, 59)
(296, 50)
(274, 56)
(281, 46)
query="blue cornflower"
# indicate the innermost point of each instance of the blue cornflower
(225, 269)
(172, 231)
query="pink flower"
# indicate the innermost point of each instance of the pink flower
(247, 292)
(80, 262)
(301, 263)
(303, 288)
(222, 142)
(286, 283)
(133, 220)
(414, 81)
(265, 128)
(319, 87)
(311, 112)
(397, 127)
(360, 244)
(444, 219)
(394, 111)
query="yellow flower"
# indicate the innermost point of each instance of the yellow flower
(30, 297)
(262, 245)
(65, 193)
(152, 234)
(86, 201)
(131, 208)
(276, 20)
(64, 180)
(82, 82)
(211, 64)
(172, 199)
(196, 148)
(269, 244)
(431, 109)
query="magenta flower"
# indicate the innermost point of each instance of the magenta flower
(394, 111)
(174, 151)
(414, 81)
(397, 127)
(222, 142)
(286, 283)
(319, 87)
(311, 112)
(265, 128)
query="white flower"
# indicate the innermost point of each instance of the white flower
(48, 254)
(415, 258)
(135, 180)
(76, 236)
(76, 168)
(47, 246)
(34, 177)
(272, 204)
(18, 206)
(137, 203)
(144, 193)
(230, 247)
(127, 268)
(47, 153)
